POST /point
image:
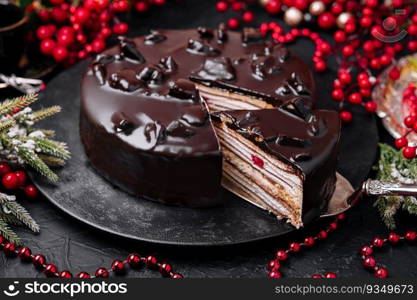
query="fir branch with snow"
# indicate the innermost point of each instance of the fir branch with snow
(393, 167)
(22, 143)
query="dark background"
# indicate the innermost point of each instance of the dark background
(77, 247)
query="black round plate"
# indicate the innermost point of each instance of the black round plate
(85, 195)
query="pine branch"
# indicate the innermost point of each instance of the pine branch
(51, 147)
(19, 212)
(33, 160)
(8, 233)
(10, 219)
(44, 113)
(10, 105)
(48, 133)
(6, 124)
(51, 160)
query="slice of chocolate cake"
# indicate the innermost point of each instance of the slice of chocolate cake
(282, 160)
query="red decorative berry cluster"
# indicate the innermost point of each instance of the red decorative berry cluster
(118, 267)
(16, 180)
(239, 6)
(369, 261)
(71, 32)
(410, 101)
(281, 256)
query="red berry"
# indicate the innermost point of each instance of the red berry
(409, 121)
(346, 116)
(123, 6)
(344, 77)
(44, 32)
(385, 60)
(366, 21)
(50, 270)
(65, 274)
(31, 191)
(366, 250)
(120, 28)
(295, 247)
(47, 47)
(371, 106)
(10, 181)
(309, 241)
(9, 249)
(237, 6)
(273, 7)
(59, 15)
(326, 20)
(4, 168)
(394, 73)
(21, 177)
(65, 39)
(134, 260)
(233, 23)
(393, 238)
(409, 152)
(24, 254)
(337, 94)
(98, 45)
(221, 6)
(381, 273)
(159, 2)
(165, 269)
(371, 3)
(60, 53)
(401, 142)
(410, 236)
(320, 65)
(348, 50)
(375, 63)
(81, 15)
(322, 235)
(44, 15)
(141, 6)
(247, 16)
(339, 36)
(355, 98)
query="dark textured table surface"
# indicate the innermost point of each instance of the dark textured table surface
(77, 247)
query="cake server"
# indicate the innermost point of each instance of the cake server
(345, 195)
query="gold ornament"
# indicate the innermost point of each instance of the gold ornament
(342, 19)
(316, 8)
(293, 16)
(263, 2)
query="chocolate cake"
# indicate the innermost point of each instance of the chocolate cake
(146, 104)
(282, 160)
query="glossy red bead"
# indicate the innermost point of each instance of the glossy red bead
(118, 267)
(50, 270)
(102, 273)
(346, 116)
(38, 261)
(332, 226)
(339, 36)
(83, 275)
(233, 23)
(341, 217)
(134, 260)
(410, 236)
(273, 265)
(401, 142)
(281, 255)
(330, 275)
(348, 50)
(294, 247)
(366, 250)
(248, 17)
(177, 276)
(369, 262)
(393, 238)
(371, 106)
(316, 276)
(275, 274)
(309, 241)
(151, 262)
(381, 273)
(355, 98)
(322, 235)
(9, 249)
(65, 274)
(378, 242)
(165, 269)
(326, 20)
(25, 254)
(60, 53)
(222, 6)
(273, 7)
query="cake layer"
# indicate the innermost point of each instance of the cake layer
(288, 154)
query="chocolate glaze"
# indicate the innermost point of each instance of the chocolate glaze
(288, 137)
(142, 123)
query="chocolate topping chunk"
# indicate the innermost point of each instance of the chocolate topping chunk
(205, 33)
(130, 51)
(284, 140)
(222, 33)
(100, 73)
(282, 53)
(183, 89)
(122, 123)
(154, 133)
(249, 118)
(251, 36)
(125, 81)
(151, 75)
(195, 116)
(178, 129)
(293, 86)
(154, 38)
(262, 66)
(167, 64)
(201, 48)
(217, 69)
(300, 157)
(104, 59)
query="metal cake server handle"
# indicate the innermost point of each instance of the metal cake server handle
(345, 196)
